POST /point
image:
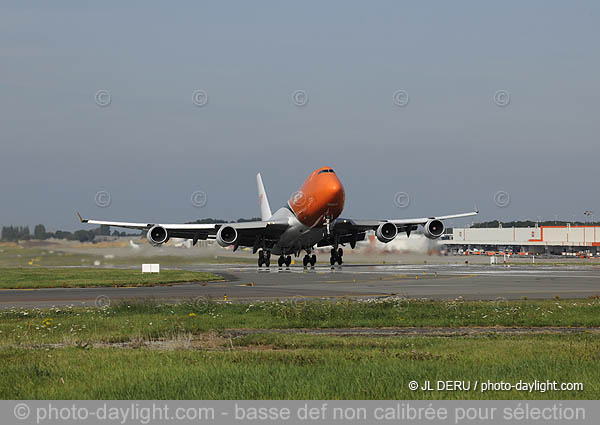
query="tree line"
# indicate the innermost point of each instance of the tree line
(22, 233)
(218, 220)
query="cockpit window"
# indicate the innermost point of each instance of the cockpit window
(329, 170)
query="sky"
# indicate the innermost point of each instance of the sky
(451, 103)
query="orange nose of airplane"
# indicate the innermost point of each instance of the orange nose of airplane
(320, 197)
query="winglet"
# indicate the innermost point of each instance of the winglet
(476, 209)
(81, 219)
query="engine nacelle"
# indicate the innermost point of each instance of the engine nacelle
(157, 235)
(386, 232)
(433, 229)
(226, 236)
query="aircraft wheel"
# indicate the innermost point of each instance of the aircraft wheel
(340, 252)
(340, 261)
(267, 261)
(288, 260)
(332, 260)
(261, 258)
(305, 261)
(280, 261)
(313, 260)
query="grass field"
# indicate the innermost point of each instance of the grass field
(148, 320)
(203, 349)
(147, 350)
(304, 367)
(42, 277)
(13, 255)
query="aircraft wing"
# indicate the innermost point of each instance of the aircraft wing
(346, 228)
(248, 232)
(424, 220)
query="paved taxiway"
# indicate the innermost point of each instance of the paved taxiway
(247, 283)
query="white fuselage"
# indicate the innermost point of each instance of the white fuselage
(297, 237)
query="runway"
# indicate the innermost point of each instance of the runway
(244, 283)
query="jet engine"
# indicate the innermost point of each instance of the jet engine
(226, 236)
(157, 235)
(433, 229)
(386, 232)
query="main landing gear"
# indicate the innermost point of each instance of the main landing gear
(309, 259)
(287, 260)
(264, 258)
(336, 256)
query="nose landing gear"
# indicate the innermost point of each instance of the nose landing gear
(284, 260)
(336, 256)
(309, 259)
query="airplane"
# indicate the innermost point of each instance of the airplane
(310, 219)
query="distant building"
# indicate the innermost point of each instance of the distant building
(540, 240)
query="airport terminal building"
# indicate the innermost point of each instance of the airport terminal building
(557, 240)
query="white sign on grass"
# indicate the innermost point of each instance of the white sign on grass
(150, 268)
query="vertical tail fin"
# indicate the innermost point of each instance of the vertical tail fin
(265, 209)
